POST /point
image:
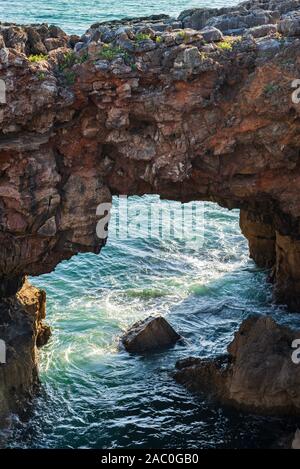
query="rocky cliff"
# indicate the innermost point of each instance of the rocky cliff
(257, 374)
(23, 330)
(194, 108)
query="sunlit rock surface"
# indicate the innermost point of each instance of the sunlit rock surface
(258, 374)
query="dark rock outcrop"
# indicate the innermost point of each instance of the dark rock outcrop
(150, 335)
(33, 39)
(261, 237)
(22, 330)
(258, 374)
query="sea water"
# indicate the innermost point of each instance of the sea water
(95, 395)
(75, 16)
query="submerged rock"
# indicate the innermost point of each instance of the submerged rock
(150, 335)
(258, 373)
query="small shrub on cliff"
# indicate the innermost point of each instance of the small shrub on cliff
(69, 77)
(70, 59)
(225, 45)
(41, 76)
(37, 58)
(228, 42)
(183, 35)
(278, 35)
(83, 58)
(142, 37)
(110, 52)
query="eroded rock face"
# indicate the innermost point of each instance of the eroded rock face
(240, 17)
(258, 374)
(22, 329)
(151, 335)
(261, 237)
(198, 107)
(144, 106)
(33, 39)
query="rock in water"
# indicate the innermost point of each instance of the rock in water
(152, 334)
(258, 374)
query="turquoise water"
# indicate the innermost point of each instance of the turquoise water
(95, 395)
(76, 16)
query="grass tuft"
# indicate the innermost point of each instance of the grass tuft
(37, 58)
(110, 52)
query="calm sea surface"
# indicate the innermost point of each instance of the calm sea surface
(75, 16)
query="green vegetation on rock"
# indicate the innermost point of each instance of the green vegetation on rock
(110, 52)
(37, 58)
(142, 37)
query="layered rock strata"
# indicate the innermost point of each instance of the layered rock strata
(145, 106)
(22, 331)
(200, 107)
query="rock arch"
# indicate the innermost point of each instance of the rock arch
(172, 114)
(217, 132)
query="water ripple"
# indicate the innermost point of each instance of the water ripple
(96, 396)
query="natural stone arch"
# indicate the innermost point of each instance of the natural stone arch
(175, 117)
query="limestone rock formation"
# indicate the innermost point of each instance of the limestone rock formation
(258, 373)
(150, 335)
(151, 106)
(22, 330)
(261, 237)
(144, 106)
